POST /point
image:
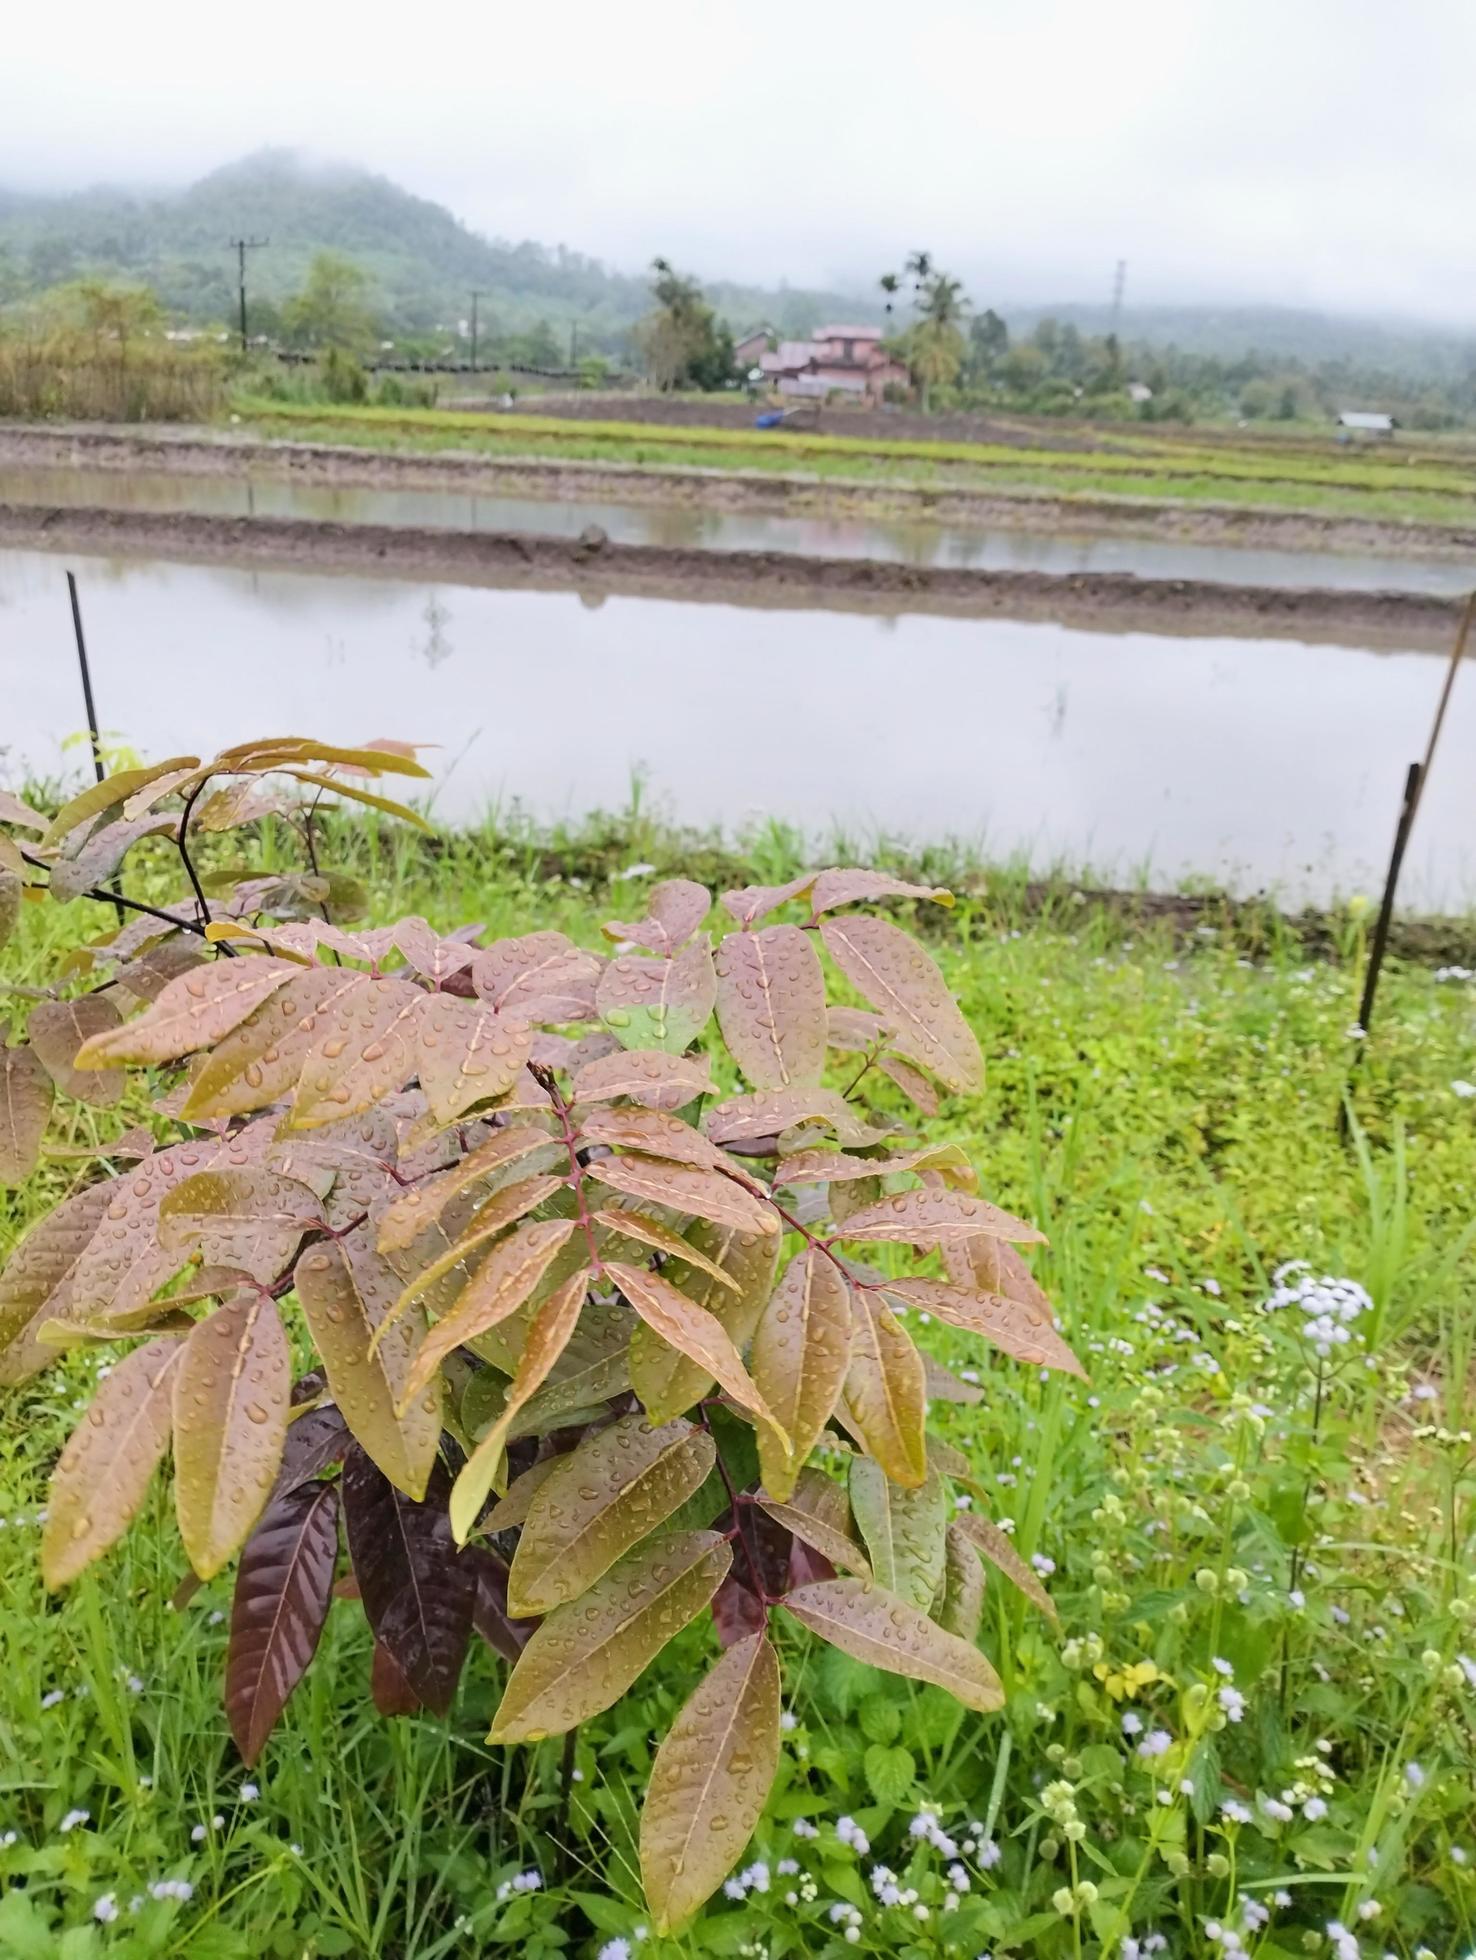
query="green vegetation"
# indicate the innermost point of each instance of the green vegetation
(1422, 490)
(681, 340)
(1257, 1713)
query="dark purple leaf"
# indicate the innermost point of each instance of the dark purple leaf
(314, 1441)
(502, 1633)
(284, 1586)
(391, 1692)
(807, 1566)
(737, 1611)
(418, 1590)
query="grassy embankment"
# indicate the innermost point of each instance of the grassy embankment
(1420, 491)
(1218, 1497)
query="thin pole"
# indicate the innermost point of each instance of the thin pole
(91, 707)
(476, 295)
(241, 246)
(87, 700)
(1414, 788)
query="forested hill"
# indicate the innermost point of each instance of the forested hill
(423, 262)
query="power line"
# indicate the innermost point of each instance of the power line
(241, 246)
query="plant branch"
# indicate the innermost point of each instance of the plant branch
(116, 898)
(202, 905)
(546, 1080)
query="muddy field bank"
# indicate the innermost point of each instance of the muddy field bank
(596, 566)
(339, 465)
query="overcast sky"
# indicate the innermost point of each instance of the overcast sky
(1308, 152)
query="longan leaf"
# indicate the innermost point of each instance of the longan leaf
(587, 1653)
(875, 1626)
(1023, 1331)
(467, 1053)
(284, 1587)
(684, 1325)
(500, 1285)
(601, 1499)
(258, 1062)
(231, 1394)
(419, 1591)
(57, 1030)
(553, 1327)
(886, 1393)
(770, 1111)
(192, 1012)
(542, 976)
(347, 1292)
(904, 1530)
(356, 795)
(962, 1606)
(639, 1225)
(407, 1217)
(755, 902)
(836, 888)
(655, 1134)
(801, 1353)
(366, 1050)
(712, 1775)
(771, 1005)
(891, 971)
(933, 1217)
(653, 1003)
(836, 1166)
(124, 1263)
(26, 1095)
(482, 1292)
(37, 1271)
(251, 1219)
(667, 1382)
(107, 795)
(643, 1075)
(695, 1193)
(103, 1474)
(994, 1544)
(821, 1534)
(674, 911)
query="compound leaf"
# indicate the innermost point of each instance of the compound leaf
(889, 969)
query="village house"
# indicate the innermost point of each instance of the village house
(844, 360)
(1365, 422)
(748, 352)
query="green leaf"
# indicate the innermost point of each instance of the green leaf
(890, 1773)
(656, 1003)
(962, 1606)
(880, 1718)
(709, 1782)
(903, 1529)
(587, 1653)
(617, 1487)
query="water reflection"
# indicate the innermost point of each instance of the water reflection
(909, 543)
(1250, 762)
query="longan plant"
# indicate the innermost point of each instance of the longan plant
(595, 1347)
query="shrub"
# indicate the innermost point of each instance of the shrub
(499, 1198)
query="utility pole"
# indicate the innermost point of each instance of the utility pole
(1119, 280)
(241, 246)
(476, 295)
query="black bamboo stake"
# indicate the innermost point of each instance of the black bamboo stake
(90, 706)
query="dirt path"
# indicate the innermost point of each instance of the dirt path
(1103, 601)
(207, 453)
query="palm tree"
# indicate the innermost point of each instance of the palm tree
(920, 265)
(937, 350)
(891, 285)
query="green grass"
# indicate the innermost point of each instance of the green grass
(1167, 1112)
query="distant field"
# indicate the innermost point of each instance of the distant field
(1420, 490)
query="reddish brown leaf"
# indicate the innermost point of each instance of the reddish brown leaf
(192, 1012)
(771, 1005)
(428, 953)
(284, 1587)
(467, 1053)
(504, 1208)
(420, 1206)
(645, 1230)
(26, 1093)
(58, 1028)
(773, 1111)
(259, 1062)
(34, 1280)
(755, 902)
(124, 1264)
(892, 971)
(992, 1265)
(541, 977)
(923, 1217)
(994, 1544)
(835, 888)
(655, 1134)
(418, 1590)
(667, 1382)
(644, 1075)
(366, 1050)
(694, 1193)
(834, 1166)
(231, 1392)
(801, 1352)
(389, 1690)
(674, 911)
(875, 1626)
(1026, 1332)
(104, 1472)
(886, 1392)
(651, 1003)
(684, 1325)
(252, 1220)
(500, 1285)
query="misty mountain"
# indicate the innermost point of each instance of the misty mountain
(423, 262)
